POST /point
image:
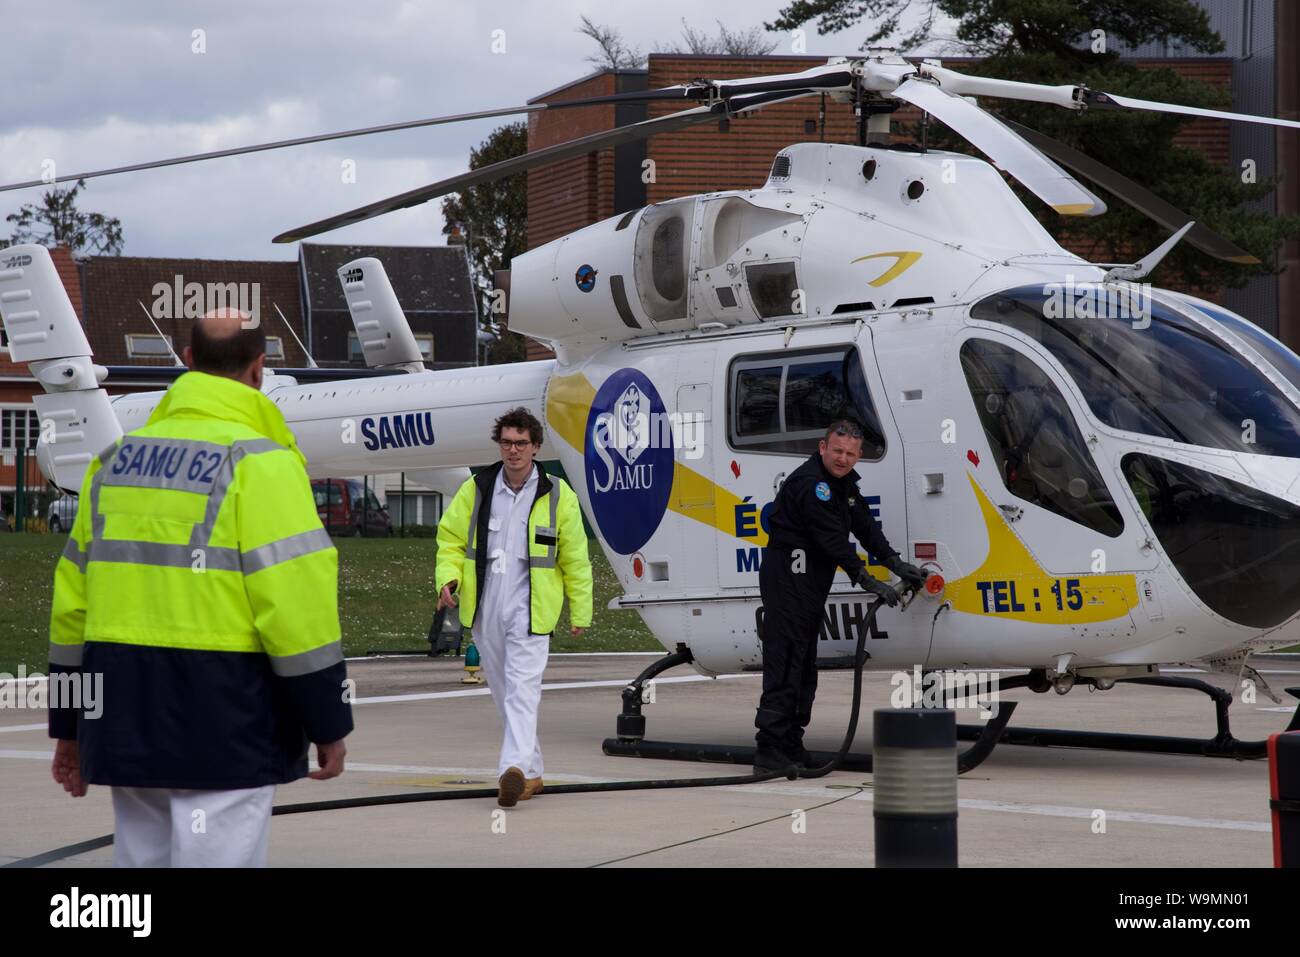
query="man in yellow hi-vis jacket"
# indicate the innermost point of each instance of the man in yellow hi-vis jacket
(511, 547)
(199, 583)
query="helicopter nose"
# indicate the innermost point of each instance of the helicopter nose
(1235, 543)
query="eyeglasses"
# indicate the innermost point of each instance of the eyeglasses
(520, 444)
(851, 431)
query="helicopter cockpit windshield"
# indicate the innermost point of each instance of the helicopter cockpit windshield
(1159, 368)
(1149, 368)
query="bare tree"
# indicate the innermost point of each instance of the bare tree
(56, 221)
(751, 42)
(614, 53)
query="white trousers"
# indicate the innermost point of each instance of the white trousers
(168, 827)
(513, 661)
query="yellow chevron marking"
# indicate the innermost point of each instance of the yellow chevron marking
(903, 261)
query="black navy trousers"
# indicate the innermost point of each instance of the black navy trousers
(793, 605)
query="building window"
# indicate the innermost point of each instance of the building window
(355, 352)
(414, 508)
(425, 341)
(149, 347)
(19, 424)
(274, 347)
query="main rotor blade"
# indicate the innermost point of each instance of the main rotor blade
(278, 144)
(1099, 100)
(1008, 151)
(639, 96)
(510, 167)
(1136, 195)
(1075, 97)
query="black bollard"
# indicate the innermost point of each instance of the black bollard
(1284, 787)
(914, 756)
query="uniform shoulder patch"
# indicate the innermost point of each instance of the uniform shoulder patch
(823, 491)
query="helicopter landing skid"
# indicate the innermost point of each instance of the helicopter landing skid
(631, 742)
(1222, 745)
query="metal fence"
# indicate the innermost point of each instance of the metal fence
(26, 497)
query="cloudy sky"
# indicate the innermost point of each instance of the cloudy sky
(93, 85)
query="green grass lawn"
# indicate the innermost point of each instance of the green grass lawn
(386, 600)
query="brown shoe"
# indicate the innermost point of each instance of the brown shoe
(531, 786)
(510, 787)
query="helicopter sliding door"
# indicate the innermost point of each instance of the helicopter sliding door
(779, 403)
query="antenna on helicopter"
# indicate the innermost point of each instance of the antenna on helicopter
(311, 363)
(1148, 262)
(167, 342)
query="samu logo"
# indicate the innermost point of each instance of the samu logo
(628, 460)
(626, 430)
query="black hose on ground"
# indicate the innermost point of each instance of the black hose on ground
(793, 772)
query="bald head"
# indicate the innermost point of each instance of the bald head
(221, 345)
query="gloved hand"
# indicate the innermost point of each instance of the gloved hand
(875, 586)
(914, 577)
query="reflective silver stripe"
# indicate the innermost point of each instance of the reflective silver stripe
(548, 561)
(96, 517)
(196, 557)
(284, 549)
(473, 522)
(291, 666)
(185, 465)
(68, 656)
(244, 447)
(74, 554)
(202, 532)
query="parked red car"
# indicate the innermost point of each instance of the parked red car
(346, 507)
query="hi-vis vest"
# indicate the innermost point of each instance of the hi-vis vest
(558, 563)
(199, 582)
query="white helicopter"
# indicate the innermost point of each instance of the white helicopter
(1102, 478)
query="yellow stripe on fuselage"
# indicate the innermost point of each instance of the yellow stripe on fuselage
(694, 496)
(1012, 584)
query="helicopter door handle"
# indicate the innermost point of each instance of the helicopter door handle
(1013, 512)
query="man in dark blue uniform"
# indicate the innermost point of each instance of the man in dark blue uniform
(816, 509)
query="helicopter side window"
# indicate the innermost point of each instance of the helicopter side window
(1163, 374)
(661, 259)
(783, 403)
(1040, 453)
(772, 289)
(758, 401)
